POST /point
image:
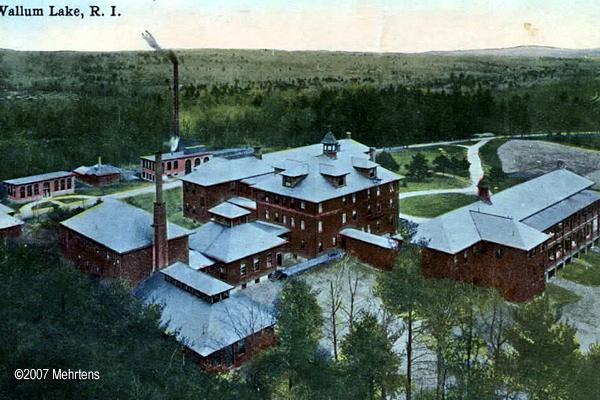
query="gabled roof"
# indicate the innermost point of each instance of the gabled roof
(202, 282)
(363, 163)
(554, 214)
(119, 226)
(7, 221)
(505, 219)
(296, 171)
(98, 170)
(198, 261)
(38, 178)
(229, 244)
(333, 170)
(228, 210)
(200, 326)
(381, 241)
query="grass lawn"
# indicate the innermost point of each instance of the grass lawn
(115, 188)
(173, 198)
(434, 205)
(44, 204)
(584, 270)
(435, 182)
(70, 199)
(559, 296)
(404, 157)
(489, 158)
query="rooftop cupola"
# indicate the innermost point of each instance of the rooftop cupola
(330, 145)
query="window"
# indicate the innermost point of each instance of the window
(62, 184)
(354, 215)
(320, 207)
(320, 246)
(68, 183)
(168, 165)
(36, 189)
(276, 216)
(320, 226)
(499, 252)
(343, 218)
(243, 269)
(302, 205)
(56, 186)
(285, 219)
(391, 185)
(344, 201)
(29, 191)
(176, 164)
(22, 190)
(391, 203)
(292, 222)
(266, 214)
(302, 226)
(368, 228)
(270, 260)
(256, 263)
(378, 191)
(334, 241)
(302, 244)
(353, 197)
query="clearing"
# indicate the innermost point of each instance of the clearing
(433, 205)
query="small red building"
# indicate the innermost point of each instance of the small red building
(30, 188)
(514, 240)
(99, 174)
(177, 163)
(375, 250)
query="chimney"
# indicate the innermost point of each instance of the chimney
(372, 151)
(160, 249)
(99, 160)
(175, 96)
(258, 152)
(483, 191)
(348, 135)
(560, 164)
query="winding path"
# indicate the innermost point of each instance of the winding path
(475, 173)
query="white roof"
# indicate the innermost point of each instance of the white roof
(243, 202)
(455, 231)
(333, 169)
(202, 282)
(381, 241)
(200, 326)
(98, 170)
(7, 221)
(554, 214)
(229, 210)
(228, 244)
(6, 209)
(38, 178)
(119, 226)
(364, 163)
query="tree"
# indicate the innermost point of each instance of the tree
(418, 168)
(402, 292)
(441, 163)
(386, 160)
(544, 356)
(369, 363)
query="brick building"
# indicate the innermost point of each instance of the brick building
(378, 251)
(314, 191)
(514, 240)
(241, 251)
(115, 240)
(30, 188)
(176, 163)
(9, 225)
(99, 174)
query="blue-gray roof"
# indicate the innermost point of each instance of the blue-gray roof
(229, 244)
(198, 260)
(7, 221)
(119, 226)
(202, 282)
(554, 214)
(382, 241)
(38, 178)
(229, 210)
(243, 202)
(457, 230)
(6, 209)
(200, 326)
(98, 170)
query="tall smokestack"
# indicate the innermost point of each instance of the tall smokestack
(160, 248)
(175, 62)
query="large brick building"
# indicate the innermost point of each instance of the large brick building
(314, 191)
(514, 240)
(9, 225)
(30, 188)
(115, 240)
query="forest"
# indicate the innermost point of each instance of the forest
(64, 109)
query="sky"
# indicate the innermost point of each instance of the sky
(348, 25)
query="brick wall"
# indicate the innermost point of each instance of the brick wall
(37, 190)
(371, 254)
(197, 200)
(12, 232)
(100, 180)
(95, 259)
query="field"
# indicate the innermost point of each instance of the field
(584, 270)
(173, 198)
(436, 181)
(434, 205)
(559, 296)
(404, 157)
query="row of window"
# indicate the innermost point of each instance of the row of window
(34, 189)
(256, 265)
(168, 165)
